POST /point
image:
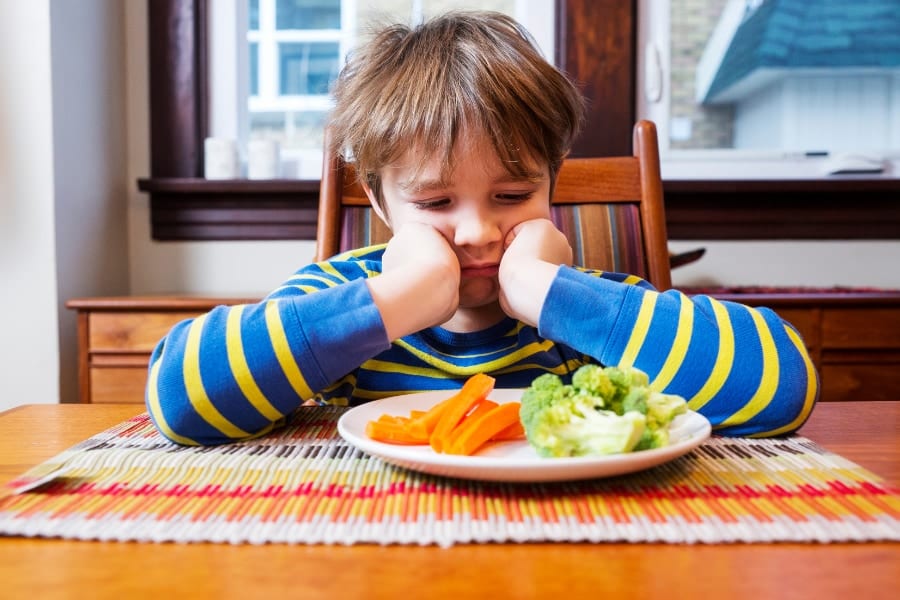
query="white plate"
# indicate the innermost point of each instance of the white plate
(508, 461)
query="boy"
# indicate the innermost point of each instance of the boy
(457, 129)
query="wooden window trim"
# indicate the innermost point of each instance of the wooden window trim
(596, 41)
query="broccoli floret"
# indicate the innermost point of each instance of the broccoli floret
(545, 390)
(594, 380)
(653, 438)
(636, 400)
(604, 411)
(577, 426)
(662, 408)
(612, 383)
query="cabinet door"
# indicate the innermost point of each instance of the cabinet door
(118, 384)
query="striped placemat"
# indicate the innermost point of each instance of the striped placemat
(303, 484)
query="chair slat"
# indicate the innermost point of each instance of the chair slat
(613, 179)
(353, 191)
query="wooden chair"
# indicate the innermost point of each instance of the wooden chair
(611, 210)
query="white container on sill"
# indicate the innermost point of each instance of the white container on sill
(220, 158)
(263, 159)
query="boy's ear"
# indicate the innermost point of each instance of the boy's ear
(376, 206)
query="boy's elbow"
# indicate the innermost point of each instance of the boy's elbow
(169, 405)
(796, 387)
(177, 421)
(801, 381)
(801, 398)
(781, 412)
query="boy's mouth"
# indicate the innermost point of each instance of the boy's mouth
(473, 271)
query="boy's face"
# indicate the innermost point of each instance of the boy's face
(473, 209)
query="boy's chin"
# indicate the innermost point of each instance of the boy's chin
(479, 292)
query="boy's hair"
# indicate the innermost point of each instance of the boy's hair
(418, 88)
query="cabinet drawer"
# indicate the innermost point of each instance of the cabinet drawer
(130, 331)
(118, 384)
(860, 328)
(860, 381)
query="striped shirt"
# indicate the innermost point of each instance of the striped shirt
(238, 371)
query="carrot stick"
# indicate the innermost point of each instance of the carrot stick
(477, 411)
(395, 419)
(481, 429)
(474, 390)
(423, 425)
(513, 432)
(391, 433)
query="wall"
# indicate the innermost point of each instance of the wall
(790, 263)
(29, 297)
(88, 162)
(61, 184)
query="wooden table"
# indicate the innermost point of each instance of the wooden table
(865, 432)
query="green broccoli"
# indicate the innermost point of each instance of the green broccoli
(545, 390)
(635, 400)
(577, 425)
(662, 408)
(612, 384)
(653, 438)
(594, 380)
(606, 410)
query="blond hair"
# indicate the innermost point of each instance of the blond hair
(418, 88)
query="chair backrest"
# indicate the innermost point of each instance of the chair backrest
(610, 208)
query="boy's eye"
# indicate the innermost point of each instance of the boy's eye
(515, 198)
(432, 204)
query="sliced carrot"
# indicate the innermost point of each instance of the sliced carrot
(392, 433)
(474, 390)
(396, 419)
(479, 430)
(479, 409)
(422, 426)
(514, 432)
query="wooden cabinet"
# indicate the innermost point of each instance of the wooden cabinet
(853, 338)
(116, 336)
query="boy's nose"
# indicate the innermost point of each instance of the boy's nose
(476, 229)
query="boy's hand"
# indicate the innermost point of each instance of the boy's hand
(419, 283)
(534, 251)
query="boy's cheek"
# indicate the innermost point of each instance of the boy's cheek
(511, 235)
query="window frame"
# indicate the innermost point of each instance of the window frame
(595, 42)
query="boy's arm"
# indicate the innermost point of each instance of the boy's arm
(744, 368)
(534, 251)
(419, 283)
(237, 371)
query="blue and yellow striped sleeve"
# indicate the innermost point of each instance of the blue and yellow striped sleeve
(237, 371)
(744, 368)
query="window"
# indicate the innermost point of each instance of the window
(770, 88)
(294, 51)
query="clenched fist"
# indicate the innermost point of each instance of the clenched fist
(534, 251)
(419, 284)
